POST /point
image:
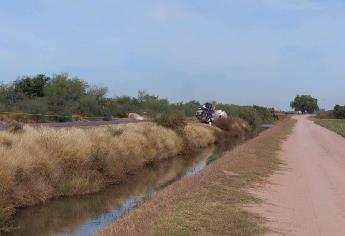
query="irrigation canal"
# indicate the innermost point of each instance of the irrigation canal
(85, 215)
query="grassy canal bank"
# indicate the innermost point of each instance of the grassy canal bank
(45, 163)
(210, 203)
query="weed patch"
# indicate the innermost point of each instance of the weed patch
(174, 121)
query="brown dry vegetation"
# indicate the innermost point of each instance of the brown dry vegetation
(231, 132)
(38, 164)
(10, 119)
(211, 202)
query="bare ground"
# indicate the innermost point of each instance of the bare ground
(308, 196)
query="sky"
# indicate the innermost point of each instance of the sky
(244, 52)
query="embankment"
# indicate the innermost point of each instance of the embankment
(336, 125)
(211, 202)
(43, 163)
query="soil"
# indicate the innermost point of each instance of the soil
(307, 197)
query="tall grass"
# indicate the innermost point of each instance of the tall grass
(39, 164)
(336, 125)
(212, 202)
(231, 132)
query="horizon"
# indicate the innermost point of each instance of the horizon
(238, 52)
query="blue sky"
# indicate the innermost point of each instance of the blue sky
(243, 52)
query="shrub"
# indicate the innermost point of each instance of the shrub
(254, 115)
(16, 127)
(115, 131)
(339, 112)
(197, 135)
(107, 118)
(231, 132)
(174, 121)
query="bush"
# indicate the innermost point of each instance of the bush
(255, 116)
(107, 118)
(339, 112)
(16, 127)
(232, 131)
(174, 121)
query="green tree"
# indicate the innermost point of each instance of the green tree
(267, 114)
(97, 92)
(31, 86)
(63, 94)
(339, 112)
(305, 104)
(188, 109)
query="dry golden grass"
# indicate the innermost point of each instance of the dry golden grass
(211, 202)
(199, 135)
(38, 164)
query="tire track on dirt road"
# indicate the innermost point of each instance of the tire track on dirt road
(307, 197)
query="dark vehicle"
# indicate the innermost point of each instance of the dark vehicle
(205, 113)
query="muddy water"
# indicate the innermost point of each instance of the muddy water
(87, 214)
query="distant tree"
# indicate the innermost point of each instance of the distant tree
(31, 86)
(141, 95)
(266, 114)
(61, 96)
(7, 95)
(188, 109)
(24, 88)
(89, 105)
(305, 104)
(97, 92)
(63, 93)
(339, 112)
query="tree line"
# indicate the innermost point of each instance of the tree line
(64, 96)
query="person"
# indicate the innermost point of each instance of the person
(208, 112)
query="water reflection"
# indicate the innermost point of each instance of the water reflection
(87, 214)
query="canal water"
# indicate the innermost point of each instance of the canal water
(85, 215)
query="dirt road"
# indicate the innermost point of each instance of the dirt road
(308, 196)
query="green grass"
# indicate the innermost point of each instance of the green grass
(213, 157)
(337, 126)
